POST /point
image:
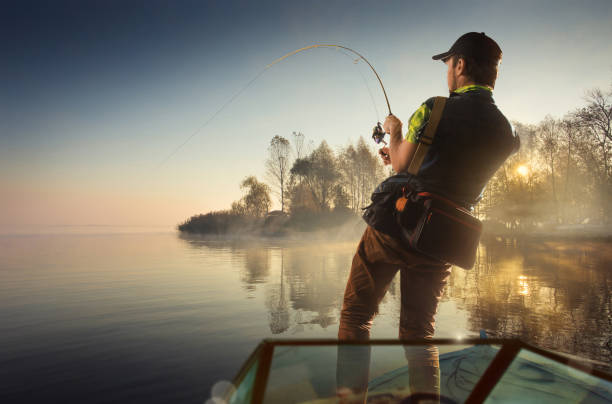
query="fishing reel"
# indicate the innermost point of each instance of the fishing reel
(378, 134)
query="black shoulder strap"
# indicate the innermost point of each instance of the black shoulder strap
(427, 137)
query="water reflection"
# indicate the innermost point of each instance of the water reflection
(256, 267)
(277, 303)
(120, 317)
(524, 285)
(553, 294)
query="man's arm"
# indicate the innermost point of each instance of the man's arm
(400, 150)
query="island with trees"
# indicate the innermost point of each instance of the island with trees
(560, 182)
(316, 189)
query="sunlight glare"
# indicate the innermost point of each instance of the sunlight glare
(522, 170)
(524, 286)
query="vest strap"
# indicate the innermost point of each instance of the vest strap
(430, 132)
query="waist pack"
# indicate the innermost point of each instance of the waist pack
(438, 228)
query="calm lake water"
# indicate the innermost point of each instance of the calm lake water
(156, 317)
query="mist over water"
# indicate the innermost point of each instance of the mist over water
(158, 317)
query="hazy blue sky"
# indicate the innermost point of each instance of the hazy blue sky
(94, 94)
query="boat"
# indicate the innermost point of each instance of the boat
(420, 371)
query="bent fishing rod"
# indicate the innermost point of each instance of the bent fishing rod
(378, 133)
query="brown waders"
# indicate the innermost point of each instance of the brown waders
(377, 260)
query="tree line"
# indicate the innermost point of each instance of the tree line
(562, 175)
(315, 187)
(315, 180)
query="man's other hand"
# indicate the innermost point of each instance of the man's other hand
(393, 126)
(384, 155)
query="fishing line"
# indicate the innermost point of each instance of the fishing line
(377, 135)
(228, 102)
(365, 82)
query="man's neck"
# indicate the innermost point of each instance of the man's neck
(462, 82)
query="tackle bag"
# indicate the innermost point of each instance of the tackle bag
(439, 228)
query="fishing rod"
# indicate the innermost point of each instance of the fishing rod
(378, 134)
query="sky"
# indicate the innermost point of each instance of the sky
(96, 96)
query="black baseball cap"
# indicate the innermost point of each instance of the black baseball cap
(476, 45)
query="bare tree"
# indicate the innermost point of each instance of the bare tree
(595, 117)
(549, 140)
(298, 145)
(277, 166)
(595, 120)
(569, 129)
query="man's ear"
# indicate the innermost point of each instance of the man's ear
(460, 67)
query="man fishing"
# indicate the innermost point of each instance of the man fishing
(472, 140)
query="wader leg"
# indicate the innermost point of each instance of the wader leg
(421, 293)
(368, 282)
